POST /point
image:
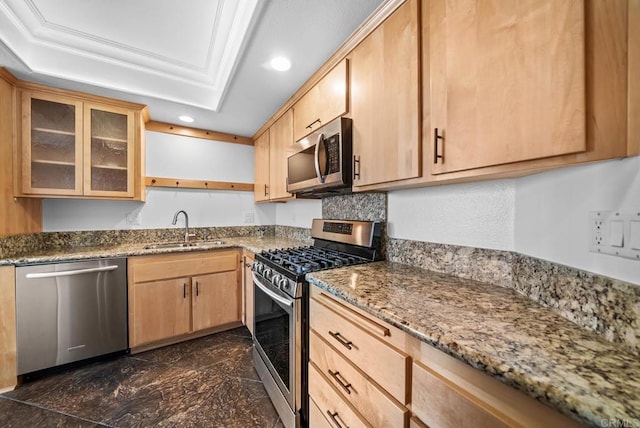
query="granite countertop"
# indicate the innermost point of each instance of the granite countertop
(501, 333)
(251, 243)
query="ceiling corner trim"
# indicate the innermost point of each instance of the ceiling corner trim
(241, 27)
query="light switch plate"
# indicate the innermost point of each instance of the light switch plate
(615, 233)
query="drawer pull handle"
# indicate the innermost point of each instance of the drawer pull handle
(344, 385)
(344, 342)
(335, 418)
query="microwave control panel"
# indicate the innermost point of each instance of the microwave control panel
(333, 153)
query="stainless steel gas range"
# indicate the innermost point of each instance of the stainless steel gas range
(281, 306)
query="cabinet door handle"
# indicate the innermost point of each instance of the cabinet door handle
(341, 339)
(437, 137)
(344, 385)
(184, 290)
(197, 289)
(266, 192)
(309, 126)
(356, 171)
(337, 421)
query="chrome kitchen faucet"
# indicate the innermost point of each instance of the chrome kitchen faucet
(187, 235)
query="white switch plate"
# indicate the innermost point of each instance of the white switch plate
(614, 233)
(248, 218)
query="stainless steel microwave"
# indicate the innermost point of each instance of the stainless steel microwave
(320, 164)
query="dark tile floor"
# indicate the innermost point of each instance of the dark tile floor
(207, 382)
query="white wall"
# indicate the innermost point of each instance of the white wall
(298, 213)
(552, 213)
(180, 157)
(472, 214)
(543, 215)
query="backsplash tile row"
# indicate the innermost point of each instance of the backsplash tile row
(357, 206)
(607, 306)
(491, 266)
(36, 242)
(604, 305)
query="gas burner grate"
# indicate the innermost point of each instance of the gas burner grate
(301, 260)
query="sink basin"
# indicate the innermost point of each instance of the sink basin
(165, 245)
(169, 245)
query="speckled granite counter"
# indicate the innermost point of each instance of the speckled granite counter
(501, 333)
(251, 243)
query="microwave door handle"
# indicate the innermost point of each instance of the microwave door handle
(317, 157)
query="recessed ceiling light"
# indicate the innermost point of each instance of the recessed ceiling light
(280, 63)
(187, 119)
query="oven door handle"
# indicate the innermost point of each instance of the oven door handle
(284, 302)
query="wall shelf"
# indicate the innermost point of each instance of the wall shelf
(196, 184)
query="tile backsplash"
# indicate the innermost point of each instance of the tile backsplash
(356, 206)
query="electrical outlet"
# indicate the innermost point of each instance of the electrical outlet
(248, 218)
(615, 233)
(134, 218)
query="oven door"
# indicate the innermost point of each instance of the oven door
(276, 336)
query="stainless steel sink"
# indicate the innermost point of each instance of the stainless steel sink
(176, 245)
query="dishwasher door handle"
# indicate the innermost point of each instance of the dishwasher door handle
(70, 272)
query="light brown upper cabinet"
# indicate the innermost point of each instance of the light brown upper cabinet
(71, 147)
(507, 81)
(270, 158)
(280, 139)
(327, 100)
(261, 167)
(385, 100)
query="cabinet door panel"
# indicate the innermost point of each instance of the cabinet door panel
(507, 81)
(216, 299)
(280, 139)
(385, 100)
(327, 100)
(51, 145)
(109, 151)
(261, 168)
(162, 310)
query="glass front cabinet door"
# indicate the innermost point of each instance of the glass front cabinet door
(72, 147)
(109, 151)
(52, 161)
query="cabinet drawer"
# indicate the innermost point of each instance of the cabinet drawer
(382, 363)
(331, 403)
(368, 398)
(440, 404)
(448, 393)
(151, 268)
(316, 418)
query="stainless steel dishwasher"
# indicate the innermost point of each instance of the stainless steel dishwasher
(67, 312)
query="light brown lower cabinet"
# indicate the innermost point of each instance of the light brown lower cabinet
(352, 358)
(316, 418)
(175, 297)
(338, 411)
(8, 361)
(248, 291)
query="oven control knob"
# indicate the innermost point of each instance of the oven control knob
(283, 283)
(257, 267)
(267, 273)
(275, 280)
